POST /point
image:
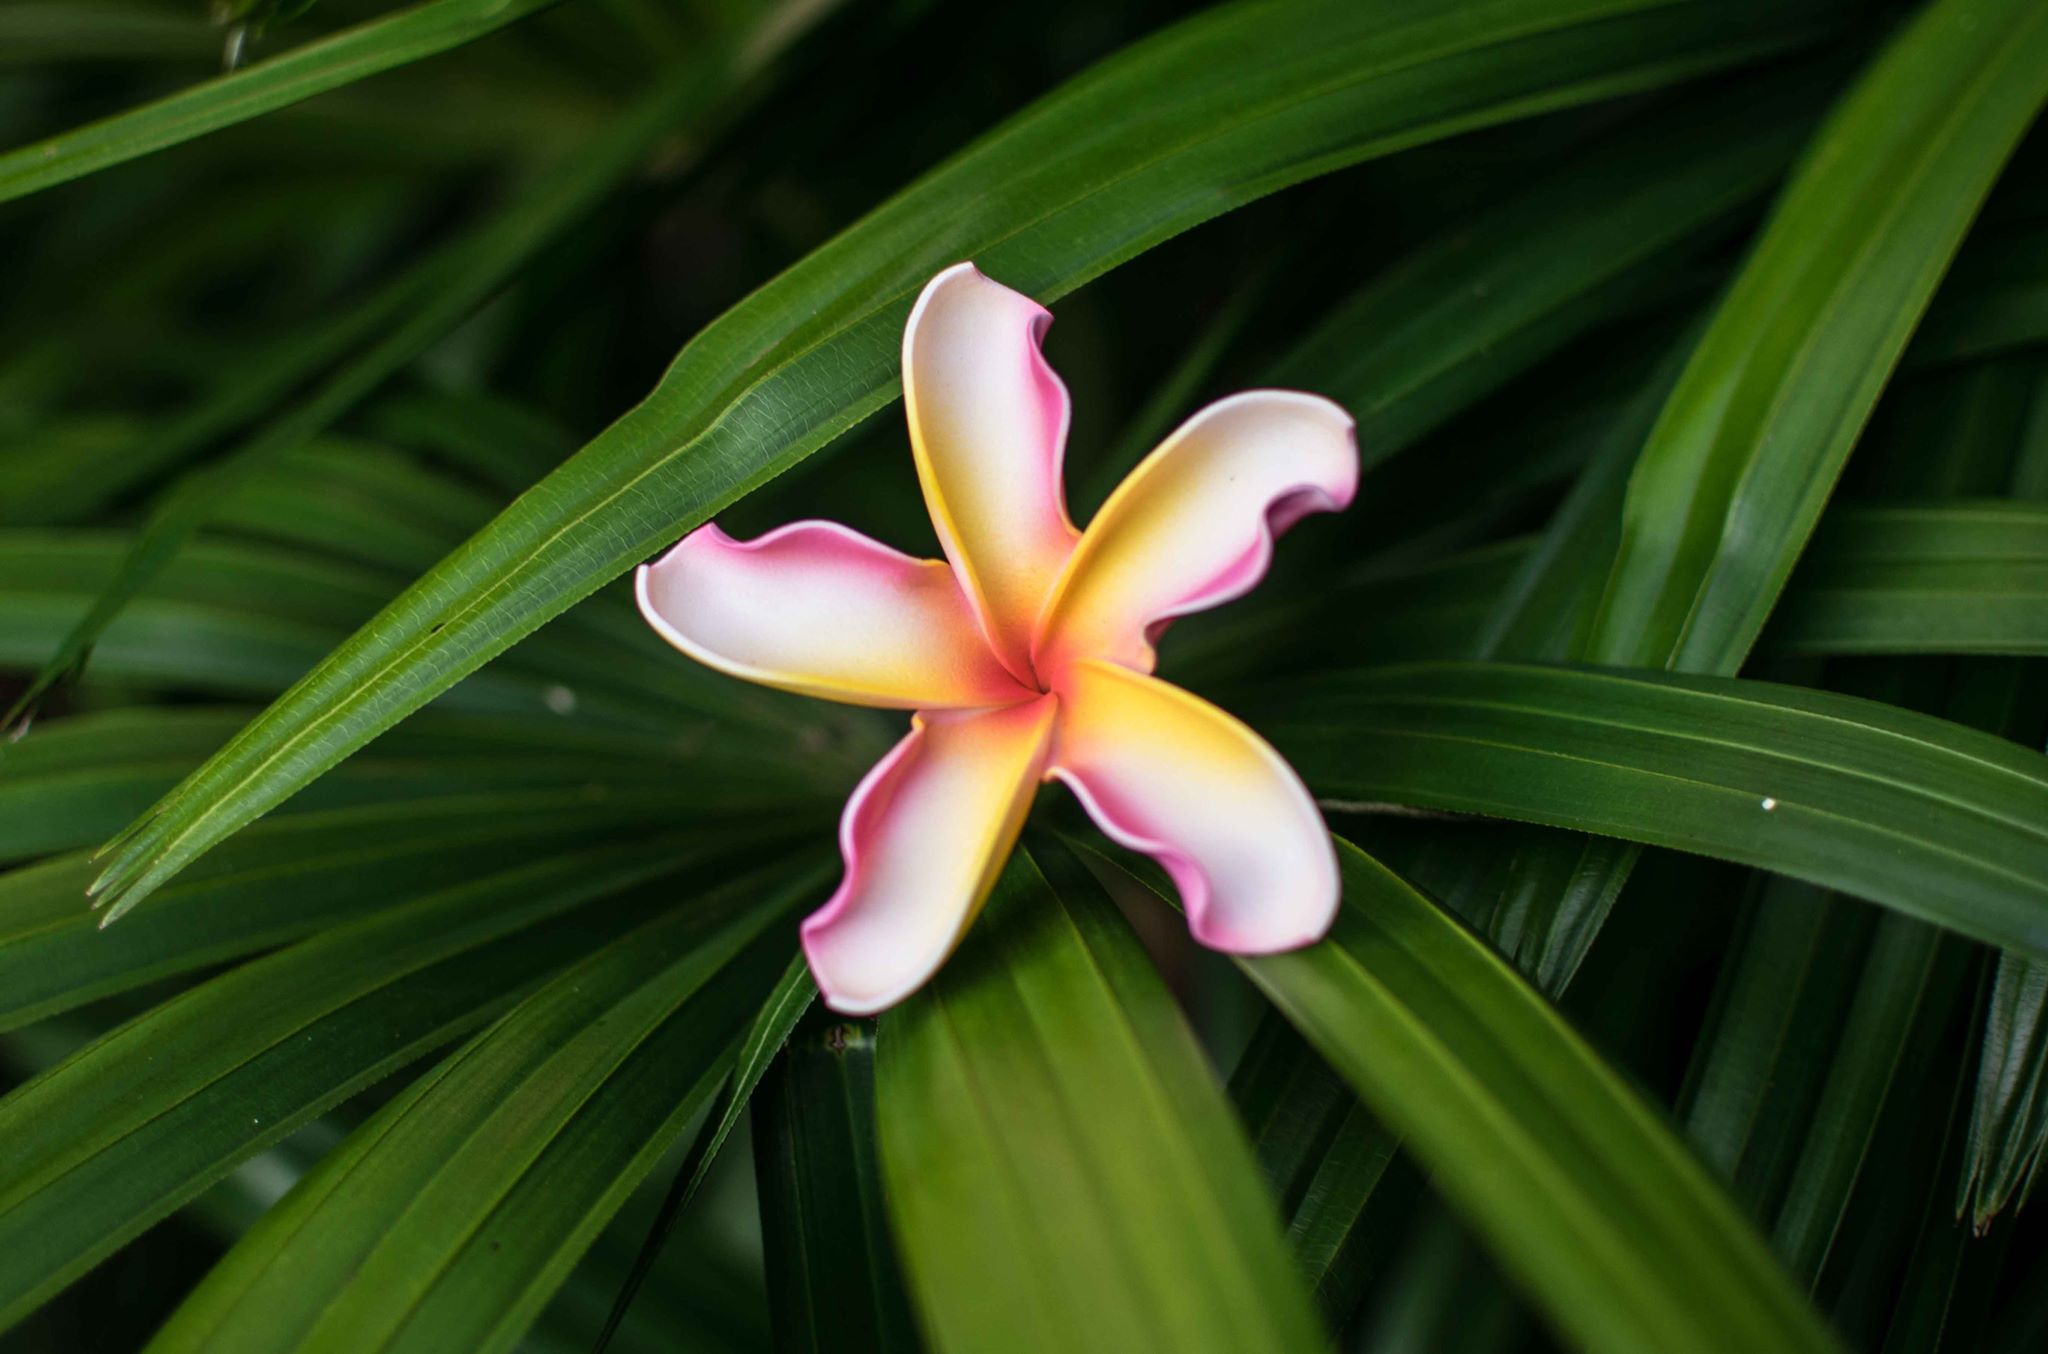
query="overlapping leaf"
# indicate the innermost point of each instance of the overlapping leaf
(1935, 819)
(1046, 1115)
(452, 1214)
(1613, 1225)
(423, 30)
(141, 1120)
(1214, 112)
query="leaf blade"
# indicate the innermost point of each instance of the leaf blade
(1138, 1221)
(1579, 1186)
(1940, 821)
(409, 35)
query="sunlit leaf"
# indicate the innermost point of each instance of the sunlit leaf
(1139, 1222)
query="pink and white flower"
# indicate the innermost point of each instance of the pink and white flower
(1027, 654)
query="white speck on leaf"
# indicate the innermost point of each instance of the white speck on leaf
(1768, 804)
(560, 699)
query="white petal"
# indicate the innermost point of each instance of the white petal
(988, 427)
(924, 838)
(820, 609)
(1169, 774)
(1193, 525)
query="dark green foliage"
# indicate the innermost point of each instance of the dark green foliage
(1699, 351)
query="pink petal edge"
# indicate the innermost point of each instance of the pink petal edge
(1191, 883)
(1009, 636)
(947, 651)
(862, 822)
(1284, 508)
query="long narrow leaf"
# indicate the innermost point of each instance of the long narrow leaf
(448, 1218)
(1599, 237)
(772, 1026)
(442, 290)
(135, 1124)
(1749, 446)
(1322, 1152)
(354, 54)
(1047, 1117)
(290, 879)
(834, 1282)
(1610, 1222)
(1955, 578)
(1940, 821)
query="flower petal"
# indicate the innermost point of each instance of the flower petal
(820, 609)
(1193, 525)
(988, 428)
(1171, 775)
(924, 837)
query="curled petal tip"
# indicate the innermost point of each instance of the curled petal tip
(1302, 922)
(1194, 525)
(818, 608)
(988, 424)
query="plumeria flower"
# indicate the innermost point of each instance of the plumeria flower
(1027, 653)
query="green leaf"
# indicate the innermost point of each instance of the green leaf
(772, 1026)
(448, 1218)
(1956, 578)
(1595, 240)
(2009, 1113)
(1942, 822)
(1583, 1192)
(80, 778)
(1997, 300)
(239, 618)
(357, 501)
(1047, 1117)
(288, 879)
(1759, 1064)
(1748, 447)
(1948, 577)
(1322, 1152)
(347, 56)
(833, 1278)
(439, 292)
(1910, 976)
(140, 1121)
(1211, 113)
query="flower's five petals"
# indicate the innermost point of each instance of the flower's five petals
(1193, 525)
(924, 838)
(818, 609)
(1168, 774)
(1030, 657)
(988, 428)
